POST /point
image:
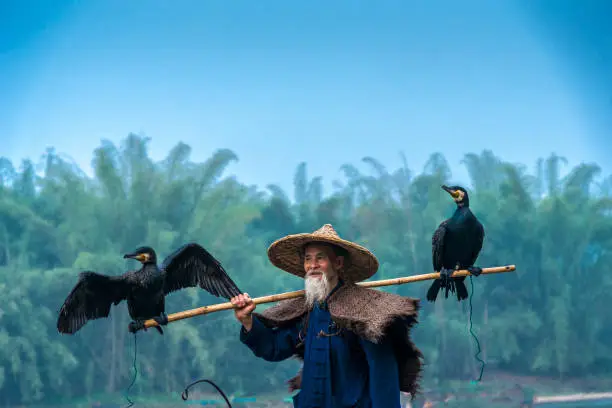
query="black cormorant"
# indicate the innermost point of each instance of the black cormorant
(456, 245)
(144, 289)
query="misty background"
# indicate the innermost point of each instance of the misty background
(321, 82)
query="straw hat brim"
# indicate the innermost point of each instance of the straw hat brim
(286, 254)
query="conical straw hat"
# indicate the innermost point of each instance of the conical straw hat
(286, 254)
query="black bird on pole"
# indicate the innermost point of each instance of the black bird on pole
(456, 244)
(144, 289)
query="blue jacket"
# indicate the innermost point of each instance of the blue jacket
(339, 371)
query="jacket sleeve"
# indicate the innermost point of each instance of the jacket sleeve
(271, 344)
(383, 374)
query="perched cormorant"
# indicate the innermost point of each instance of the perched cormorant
(144, 289)
(456, 244)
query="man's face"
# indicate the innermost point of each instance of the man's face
(320, 260)
(321, 266)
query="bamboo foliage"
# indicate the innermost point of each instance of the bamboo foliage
(550, 317)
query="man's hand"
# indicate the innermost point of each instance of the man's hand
(243, 307)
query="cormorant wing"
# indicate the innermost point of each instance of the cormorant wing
(192, 265)
(478, 241)
(91, 298)
(437, 246)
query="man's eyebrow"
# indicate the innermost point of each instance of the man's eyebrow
(317, 253)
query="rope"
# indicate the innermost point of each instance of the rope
(185, 393)
(127, 397)
(482, 363)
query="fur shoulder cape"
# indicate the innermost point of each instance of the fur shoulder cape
(370, 314)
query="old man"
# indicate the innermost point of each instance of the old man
(354, 341)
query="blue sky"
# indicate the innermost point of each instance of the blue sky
(321, 82)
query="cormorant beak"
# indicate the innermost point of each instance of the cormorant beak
(450, 191)
(138, 257)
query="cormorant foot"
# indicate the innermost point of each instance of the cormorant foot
(474, 270)
(445, 277)
(163, 319)
(136, 325)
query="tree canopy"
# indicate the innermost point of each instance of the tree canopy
(550, 318)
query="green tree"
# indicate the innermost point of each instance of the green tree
(549, 318)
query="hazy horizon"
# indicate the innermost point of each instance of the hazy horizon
(326, 85)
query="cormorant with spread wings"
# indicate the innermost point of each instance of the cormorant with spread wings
(144, 289)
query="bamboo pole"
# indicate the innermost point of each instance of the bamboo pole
(186, 314)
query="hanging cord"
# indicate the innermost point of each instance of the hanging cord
(185, 393)
(482, 363)
(127, 397)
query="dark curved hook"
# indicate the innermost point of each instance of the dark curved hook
(185, 393)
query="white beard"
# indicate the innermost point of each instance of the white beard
(316, 289)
